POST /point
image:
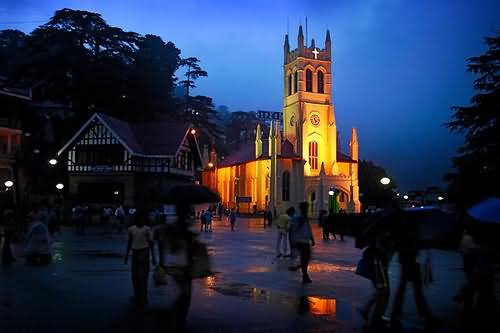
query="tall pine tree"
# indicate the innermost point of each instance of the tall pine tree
(476, 167)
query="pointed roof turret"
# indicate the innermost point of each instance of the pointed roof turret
(258, 142)
(286, 48)
(300, 39)
(271, 130)
(354, 145)
(278, 138)
(328, 43)
(322, 172)
(354, 135)
(313, 44)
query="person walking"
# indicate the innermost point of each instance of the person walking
(265, 217)
(232, 219)
(378, 254)
(323, 224)
(269, 217)
(208, 220)
(120, 218)
(8, 234)
(179, 263)
(140, 241)
(334, 226)
(410, 272)
(283, 225)
(302, 239)
(52, 220)
(203, 220)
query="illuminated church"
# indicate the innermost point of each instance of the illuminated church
(302, 160)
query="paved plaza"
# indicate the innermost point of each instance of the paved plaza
(87, 287)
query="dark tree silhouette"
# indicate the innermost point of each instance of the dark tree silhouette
(193, 72)
(152, 80)
(476, 167)
(374, 193)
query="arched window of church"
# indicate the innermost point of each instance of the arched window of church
(321, 82)
(295, 81)
(289, 84)
(309, 80)
(285, 188)
(313, 155)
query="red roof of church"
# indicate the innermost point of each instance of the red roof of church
(246, 154)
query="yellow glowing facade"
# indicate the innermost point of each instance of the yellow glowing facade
(306, 151)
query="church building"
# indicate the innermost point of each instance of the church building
(301, 161)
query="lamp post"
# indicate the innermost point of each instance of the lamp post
(52, 161)
(385, 180)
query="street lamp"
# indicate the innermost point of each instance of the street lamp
(385, 181)
(405, 197)
(193, 131)
(52, 161)
(210, 165)
(331, 192)
(9, 184)
(59, 186)
(440, 198)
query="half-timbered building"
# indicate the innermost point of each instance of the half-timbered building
(110, 160)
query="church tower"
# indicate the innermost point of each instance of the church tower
(308, 114)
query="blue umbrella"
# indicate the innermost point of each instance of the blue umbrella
(486, 211)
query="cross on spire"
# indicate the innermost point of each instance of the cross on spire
(316, 52)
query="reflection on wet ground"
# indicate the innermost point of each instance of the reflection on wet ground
(316, 306)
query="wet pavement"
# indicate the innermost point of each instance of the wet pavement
(87, 287)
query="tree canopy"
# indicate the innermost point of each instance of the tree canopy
(476, 167)
(78, 59)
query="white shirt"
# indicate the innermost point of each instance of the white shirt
(141, 236)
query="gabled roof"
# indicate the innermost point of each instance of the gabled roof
(341, 157)
(151, 139)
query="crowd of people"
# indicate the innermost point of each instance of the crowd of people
(170, 247)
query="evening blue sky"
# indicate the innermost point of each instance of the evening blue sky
(398, 65)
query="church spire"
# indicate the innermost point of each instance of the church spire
(313, 44)
(258, 142)
(286, 48)
(354, 145)
(300, 40)
(278, 138)
(328, 43)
